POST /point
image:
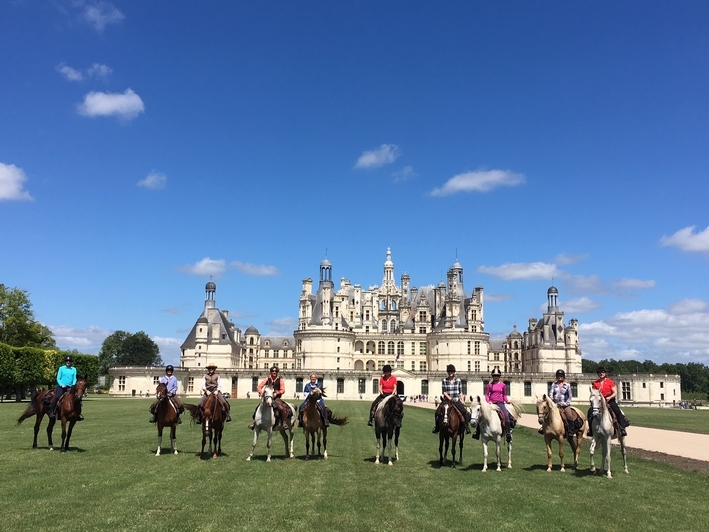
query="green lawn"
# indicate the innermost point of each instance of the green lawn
(111, 480)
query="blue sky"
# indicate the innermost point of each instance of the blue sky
(145, 146)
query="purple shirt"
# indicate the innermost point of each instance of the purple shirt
(496, 393)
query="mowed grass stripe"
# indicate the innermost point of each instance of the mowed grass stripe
(111, 480)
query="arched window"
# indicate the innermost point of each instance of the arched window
(380, 348)
(384, 325)
(400, 348)
(251, 341)
(390, 348)
(393, 325)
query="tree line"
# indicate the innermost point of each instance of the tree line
(695, 376)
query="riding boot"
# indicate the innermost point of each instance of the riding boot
(228, 417)
(467, 428)
(199, 416)
(326, 419)
(476, 435)
(590, 427)
(371, 419)
(251, 426)
(179, 420)
(541, 430)
(81, 418)
(623, 432)
(508, 438)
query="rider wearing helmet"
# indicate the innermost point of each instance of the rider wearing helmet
(212, 384)
(608, 390)
(387, 386)
(496, 392)
(452, 391)
(66, 378)
(171, 381)
(560, 393)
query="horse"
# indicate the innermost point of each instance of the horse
(451, 427)
(387, 425)
(313, 425)
(167, 415)
(604, 431)
(553, 429)
(265, 420)
(487, 415)
(68, 410)
(212, 424)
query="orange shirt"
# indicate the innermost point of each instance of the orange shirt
(278, 390)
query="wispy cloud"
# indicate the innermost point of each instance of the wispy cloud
(254, 269)
(99, 71)
(687, 240)
(154, 181)
(406, 173)
(205, 267)
(577, 306)
(69, 73)
(527, 271)
(171, 310)
(386, 154)
(679, 333)
(125, 106)
(479, 181)
(100, 14)
(564, 259)
(12, 183)
(633, 284)
(497, 298)
(282, 326)
(169, 348)
(85, 340)
(577, 284)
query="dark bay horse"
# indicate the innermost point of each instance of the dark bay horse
(167, 415)
(68, 410)
(212, 424)
(313, 424)
(452, 426)
(387, 425)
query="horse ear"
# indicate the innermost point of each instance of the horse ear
(544, 397)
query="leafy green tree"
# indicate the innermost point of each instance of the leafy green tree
(126, 349)
(17, 324)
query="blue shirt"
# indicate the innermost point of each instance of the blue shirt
(171, 384)
(66, 376)
(310, 387)
(560, 394)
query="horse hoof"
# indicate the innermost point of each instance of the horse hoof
(391, 463)
(268, 459)
(563, 470)
(376, 461)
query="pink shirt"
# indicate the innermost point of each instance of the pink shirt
(496, 393)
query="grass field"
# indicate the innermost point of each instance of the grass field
(111, 480)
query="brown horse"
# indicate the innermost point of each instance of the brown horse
(313, 424)
(68, 410)
(212, 424)
(452, 426)
(553, 429)
(167, 416)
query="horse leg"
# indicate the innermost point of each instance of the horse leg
(387, 444)
(607, 457)
(547, 441)
(379, 437)
(269, 440)
(441, 459)
(396, 442)
(173, 439)
(50, 429)
(622, 450)
(592, 450)
(68, 436)
(484, 453)
(497, 453)
(324, 443)
(204, 439)
(284, 434)
(509, 455)
(455, 442)
(160, 427)
(37, 423)
(257, 429)
(561, 453)
(62, 449)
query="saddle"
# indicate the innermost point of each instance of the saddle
(513, 421)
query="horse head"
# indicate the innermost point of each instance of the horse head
(543, 408)
(267, 396)
(316, 394)
(80, 388)
(161, 391)
(475, 411)
(598, 402)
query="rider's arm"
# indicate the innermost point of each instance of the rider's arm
(281, 387)
(614, 393)
(219, 384)
(204, 385)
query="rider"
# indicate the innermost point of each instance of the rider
(325, 412)
(279, 388)
(496, 392)
(608, 390)
(66, 378)
(452, 390)
(560, 393)
(212, 384)
(387, 386)
(171, 381)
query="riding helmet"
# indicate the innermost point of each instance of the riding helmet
(496, 372)
(450, 368)
(68, 358)
(169, 368)
(386, 369)
(560, 373)
(600, 369)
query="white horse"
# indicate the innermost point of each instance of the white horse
(487, 416)
(265, 419)
(603, 431)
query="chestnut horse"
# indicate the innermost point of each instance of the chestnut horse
(553, 429)
(313, 424)
(212, 424)
(68, 410)
(167, 416)
(451, 427)
(387, 425)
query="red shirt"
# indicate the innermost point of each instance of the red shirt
(605, 386)
(387, 385)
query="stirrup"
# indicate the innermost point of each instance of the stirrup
(435, 430)
(251, 427)
(152, 420)
(179, 421)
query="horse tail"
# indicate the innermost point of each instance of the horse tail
(338, 420)
(31, 410)
(192, 409)
(516, 409)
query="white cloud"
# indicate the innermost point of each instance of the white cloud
(100, 14)
(528, 271)
(679, 333)
(577, 306)
(686, 240)
(497, 298)
(169, 348)
(125, 106)
(87, 340)
(282, 326)
(633, 284)
(406, 173)
(205, 267)
(386, 154)
(254, 269)
(12, 181)
(99, 71)
(564, 259)
(69, 73)
(577, 284)
(479, 181)
(154, 181)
